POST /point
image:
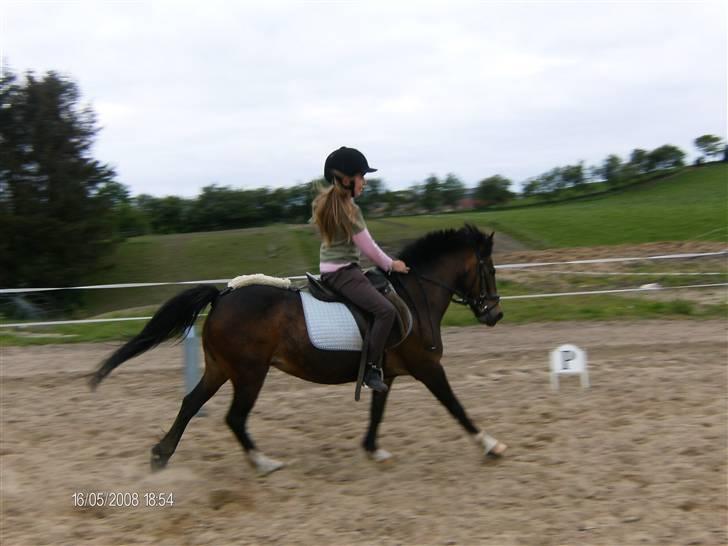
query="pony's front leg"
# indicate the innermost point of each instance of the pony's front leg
(376, 412)
(433, 376)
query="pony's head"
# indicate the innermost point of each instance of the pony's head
(475, 281)
(478, 279)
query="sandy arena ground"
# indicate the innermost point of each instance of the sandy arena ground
(640, 458)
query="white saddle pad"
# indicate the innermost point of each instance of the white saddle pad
(331, 326)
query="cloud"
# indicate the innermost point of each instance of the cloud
(252, 94)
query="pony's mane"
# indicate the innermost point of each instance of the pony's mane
(428, 248)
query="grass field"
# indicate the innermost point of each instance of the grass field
(277, 250)
(690, 205)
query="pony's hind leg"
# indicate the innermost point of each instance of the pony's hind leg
(210, 383)
(247, 386)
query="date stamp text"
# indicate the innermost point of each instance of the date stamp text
(122, 499)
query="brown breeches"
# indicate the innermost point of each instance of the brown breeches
(351, 282)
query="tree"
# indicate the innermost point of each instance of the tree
(665, 157)
(572, 176)
(371, 198)
(532, 186)
(611, 170)
(639, 161)
(494, 189)
(298, 201)
(400, 202)
(544, 184)
(432, 197)
(709, 145)
(55, 223)
(552, 181)
(222, 207)
(172, 215)
(453, 190)
(128, 219)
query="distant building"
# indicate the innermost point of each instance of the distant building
(467, 203)
(470, 203)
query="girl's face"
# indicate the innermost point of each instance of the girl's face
(359, 184)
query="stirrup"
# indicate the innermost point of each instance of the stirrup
(374, 378)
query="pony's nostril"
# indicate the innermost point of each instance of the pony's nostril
(499, 316)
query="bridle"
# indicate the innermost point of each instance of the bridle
(487, 293)
(486, 275)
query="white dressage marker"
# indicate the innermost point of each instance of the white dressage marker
(568, 360)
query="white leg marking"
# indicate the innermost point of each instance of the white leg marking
(264, 465)
(490, 444)
(380, 455)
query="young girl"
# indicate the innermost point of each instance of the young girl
(344, 236)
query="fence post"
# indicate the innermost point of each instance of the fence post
(192, 362)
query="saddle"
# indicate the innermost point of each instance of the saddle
(402, 326)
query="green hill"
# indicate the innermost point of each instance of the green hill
(277, 250)
(689, 205)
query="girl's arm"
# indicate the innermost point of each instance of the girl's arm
(363, 240)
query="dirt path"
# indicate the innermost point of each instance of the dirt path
(640, 458)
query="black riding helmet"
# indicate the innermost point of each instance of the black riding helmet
(347, 161)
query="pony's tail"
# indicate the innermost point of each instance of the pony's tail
(171, 320)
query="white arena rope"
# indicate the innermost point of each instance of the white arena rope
(225, 281)
(245, 280)
(520, 297)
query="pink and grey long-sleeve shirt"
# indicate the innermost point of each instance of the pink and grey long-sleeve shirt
(342, 252)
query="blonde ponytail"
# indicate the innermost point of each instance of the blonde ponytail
(333, 210)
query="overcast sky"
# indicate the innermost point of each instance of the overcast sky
(253, 94)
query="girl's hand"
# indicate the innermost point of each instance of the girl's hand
(400, 267)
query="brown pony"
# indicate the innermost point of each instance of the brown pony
(254, 327)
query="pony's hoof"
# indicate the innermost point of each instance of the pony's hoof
(93, 381)
(270, 466)
(492, 447)
(497, 450)
(379, 456)
(158, 462)
(264, 465)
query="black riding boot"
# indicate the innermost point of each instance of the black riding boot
(373, 378)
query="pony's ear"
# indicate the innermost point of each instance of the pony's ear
(491, 235)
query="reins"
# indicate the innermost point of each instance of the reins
(432, 347)
(413, 306)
